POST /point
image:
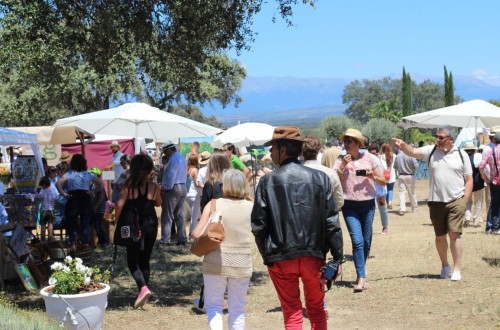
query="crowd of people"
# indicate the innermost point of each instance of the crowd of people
(293, 216)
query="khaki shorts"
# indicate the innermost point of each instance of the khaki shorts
(447, 217)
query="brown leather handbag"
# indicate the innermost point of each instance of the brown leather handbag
(213, 234)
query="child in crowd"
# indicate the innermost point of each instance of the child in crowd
(99, 199)
(48, 204)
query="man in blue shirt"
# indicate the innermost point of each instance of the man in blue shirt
(174, 192)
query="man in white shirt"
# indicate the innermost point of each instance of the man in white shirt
(450, 183)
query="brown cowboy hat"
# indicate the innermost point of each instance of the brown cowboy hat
(285, 133)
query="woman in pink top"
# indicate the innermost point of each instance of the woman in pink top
(358, 172)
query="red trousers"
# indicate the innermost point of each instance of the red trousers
(285, 276)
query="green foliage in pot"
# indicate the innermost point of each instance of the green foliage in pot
(72, 277)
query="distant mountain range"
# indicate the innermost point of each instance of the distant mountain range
(291, 100)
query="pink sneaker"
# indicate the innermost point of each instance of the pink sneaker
(143, 297)
(385, 231)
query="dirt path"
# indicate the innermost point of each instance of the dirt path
(405, 289)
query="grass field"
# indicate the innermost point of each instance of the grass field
(403, 274)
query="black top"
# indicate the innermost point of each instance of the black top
(210, 192)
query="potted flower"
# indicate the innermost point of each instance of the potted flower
(76, 295)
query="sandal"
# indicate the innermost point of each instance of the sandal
(360, 287)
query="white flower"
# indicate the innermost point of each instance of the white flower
(68, 259)
(56, 266)
(88, 272)
(87, 281)
(66, 269)
(79, 261)
(81, 269)
(52, 281)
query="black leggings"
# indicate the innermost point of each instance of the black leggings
(137, 259)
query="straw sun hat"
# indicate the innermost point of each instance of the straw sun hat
(65, 156)
(469, 146)
(355, 134)
(204, 158)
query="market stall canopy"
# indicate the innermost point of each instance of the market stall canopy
(245, 135)
(12, 138)
(139, 120)
(57, 135)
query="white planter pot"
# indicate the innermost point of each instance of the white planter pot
(77, 311)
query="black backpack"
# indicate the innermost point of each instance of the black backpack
(478, 182)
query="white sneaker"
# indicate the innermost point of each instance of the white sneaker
(456, 276)
(445, 272)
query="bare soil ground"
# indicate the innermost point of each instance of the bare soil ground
(405, 290)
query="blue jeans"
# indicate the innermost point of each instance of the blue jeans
(358, 216)
(384, 216)
(390, 191)
(494, 211)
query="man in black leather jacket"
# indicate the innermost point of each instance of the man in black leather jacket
(295, 224)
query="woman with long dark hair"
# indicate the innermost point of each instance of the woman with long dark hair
(77, 182)
(145, 195)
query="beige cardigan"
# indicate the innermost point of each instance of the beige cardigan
(234, 256)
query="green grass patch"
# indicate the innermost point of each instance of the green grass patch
(14, 318)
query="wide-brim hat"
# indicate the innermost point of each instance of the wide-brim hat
(355, 134)
(497, 136)
(115, 143)
(167, 145)
(65, 156)
(204, 158)
(469, 146)
(285, 133)
(493, 130)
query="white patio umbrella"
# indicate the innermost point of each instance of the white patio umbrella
(244, 135)
(474, 114)
(139, 120)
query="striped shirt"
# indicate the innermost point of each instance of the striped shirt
(488, 160)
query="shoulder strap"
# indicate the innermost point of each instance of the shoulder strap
(434, 149)
(432, 152)
(495, 159)
(213, 206)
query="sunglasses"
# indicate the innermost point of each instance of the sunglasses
(347, 141)
(440, 137)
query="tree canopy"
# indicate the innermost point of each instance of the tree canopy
(380, 98)
(71, 57)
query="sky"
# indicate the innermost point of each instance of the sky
(370, 39)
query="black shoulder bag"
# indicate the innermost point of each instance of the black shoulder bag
(128, 229)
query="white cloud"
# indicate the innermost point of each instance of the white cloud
(483, 75)
(480, 74)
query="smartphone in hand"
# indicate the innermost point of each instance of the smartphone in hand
(360, 172)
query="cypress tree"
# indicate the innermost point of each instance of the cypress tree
(451, 91)
(449, 97)
(407, 95)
